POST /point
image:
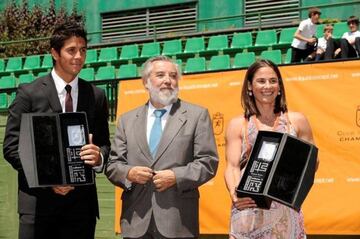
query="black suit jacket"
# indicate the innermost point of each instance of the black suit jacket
(41, 96)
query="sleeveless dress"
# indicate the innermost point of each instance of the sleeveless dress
(280, 221)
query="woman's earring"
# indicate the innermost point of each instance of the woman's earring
(279, 93)
(250, 93)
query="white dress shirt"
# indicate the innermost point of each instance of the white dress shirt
(60, 88)
(151, 118)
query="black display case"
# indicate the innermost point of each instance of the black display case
(281, 167)
(49, 148)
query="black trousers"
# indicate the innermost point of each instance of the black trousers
(56, 227)
(299, 54)
(347, 50)
(331, 46)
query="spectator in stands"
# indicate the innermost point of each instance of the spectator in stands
(60, 212)
(264, 103)
(349, 44)
(350, 41)
(160, 172)
(319, 53)
(304, 38)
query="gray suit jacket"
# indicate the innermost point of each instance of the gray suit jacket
(187, 147)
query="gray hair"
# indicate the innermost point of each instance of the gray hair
(145, 73)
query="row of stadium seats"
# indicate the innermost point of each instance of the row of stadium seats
(34, 62)
(192, 65)
(216, 45)
(241, 60)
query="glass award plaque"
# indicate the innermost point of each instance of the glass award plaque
(281, 167)
(49, 149)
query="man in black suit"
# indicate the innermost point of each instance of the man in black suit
(62, 211)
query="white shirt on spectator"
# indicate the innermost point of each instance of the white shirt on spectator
(350, 36)
(322, 42)
(307, 29)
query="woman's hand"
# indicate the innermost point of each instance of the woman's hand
(242, 203)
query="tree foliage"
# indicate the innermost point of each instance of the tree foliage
(27, 30)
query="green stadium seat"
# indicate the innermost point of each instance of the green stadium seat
(172, 47)
(3, 101)
(179, 63)
(339, 29)
(87, 74)
(286, 37)
(26, 78)
(105, 73)
(193, 46)
(14, 64)
(196, 64)
(2, 65)
(44, 73)
(221, 62)
(272, 55)
(108, 54)
(128, 71)
(216, 44)
(240, 41)
(244, 59)
(32, 62)
(265, 39)
(320, 30)
(129, 52)
(288, 56)
(91, 56)
(150, 49)
(47, 61)
(7, 82)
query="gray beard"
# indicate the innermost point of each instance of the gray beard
(164, 97)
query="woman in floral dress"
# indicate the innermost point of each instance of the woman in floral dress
(264, 102)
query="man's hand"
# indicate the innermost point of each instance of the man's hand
(62, 190)
(164, 179)
(312, 41)
(337, 52)
(140, 175)
(90, 153)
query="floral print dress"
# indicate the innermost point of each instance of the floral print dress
(280, 221)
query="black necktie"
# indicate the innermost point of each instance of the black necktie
(68, 99)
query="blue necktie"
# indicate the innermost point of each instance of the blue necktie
(155, 133)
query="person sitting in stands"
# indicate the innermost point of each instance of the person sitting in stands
(350, 41)
(320, 53)
(349, 45)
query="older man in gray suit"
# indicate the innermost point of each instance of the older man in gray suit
(162, 152)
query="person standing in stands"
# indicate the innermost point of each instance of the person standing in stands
(162, 152)
(304, 40)
(60, 212)
(264, 102)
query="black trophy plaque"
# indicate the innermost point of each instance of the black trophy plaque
(281, 167)
(49, 148)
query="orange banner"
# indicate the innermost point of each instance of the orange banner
(328, 94)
